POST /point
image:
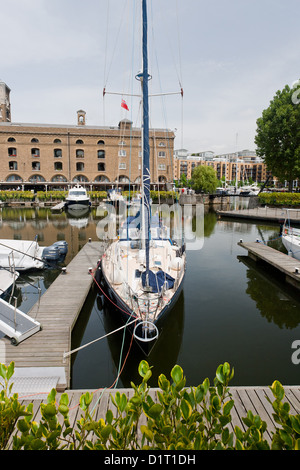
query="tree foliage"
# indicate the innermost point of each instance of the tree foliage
(278, 136)
(204, 179)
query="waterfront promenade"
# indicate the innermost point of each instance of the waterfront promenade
(267, 214)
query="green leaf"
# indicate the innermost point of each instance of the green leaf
(109, 416)
(143, 368)
(49, 411)
(163, 382)
(10, 370)
(147, 433)
(105, 432)
(186, 409)
(228, 407)
(154, 411)
(177, 374)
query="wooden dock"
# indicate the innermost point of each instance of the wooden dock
(245, 399)
(270, 214)
(57, 312)
(288, 266)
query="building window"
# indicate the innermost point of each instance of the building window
(161, 167)
(122, 153)
(100, 142)
(35, 152)
(79, 166)
(14, 178)
(161, 144)
(122, 166)
(101, 166)
(122, 142)
(59, 179)
(11, 139)
(13, 165)
(36, 166)
(58, 166)
(162, 154)
(79, 153)
(57, 153)
(79, 141)
(101, 153)
(57, 141)
(34, 140)
(36, 179)
(12, 152)
(80, 179)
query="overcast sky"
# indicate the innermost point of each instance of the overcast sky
(230, 56)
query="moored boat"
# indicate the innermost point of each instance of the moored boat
(142, 272)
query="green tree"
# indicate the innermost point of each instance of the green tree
(278, 136)
(204, 178)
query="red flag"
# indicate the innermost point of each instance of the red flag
(124, 105)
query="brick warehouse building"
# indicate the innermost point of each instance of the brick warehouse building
(41, 156)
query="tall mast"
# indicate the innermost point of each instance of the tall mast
(146, 148)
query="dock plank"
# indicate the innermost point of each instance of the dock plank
(57, 312)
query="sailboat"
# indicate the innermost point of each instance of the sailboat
(142, 272)
(291, 238)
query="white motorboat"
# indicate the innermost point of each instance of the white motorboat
(77, 198)
(28, 254)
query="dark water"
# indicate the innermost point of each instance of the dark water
(230, 309)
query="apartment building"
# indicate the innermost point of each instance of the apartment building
(241, 165)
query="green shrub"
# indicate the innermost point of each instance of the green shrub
(280, 199)
(182, 418)
(16, 195)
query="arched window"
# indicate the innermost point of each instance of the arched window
(59, 179)
(79, 141)
(11, 139)
(57, 141)
(123, 179)
(101, 179)
(12, 178)
(34, 140)
(36, 179)
(100, 142)
(80, 179)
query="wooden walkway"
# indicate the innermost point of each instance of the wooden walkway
(245, 399)
(281, 262)
(269, 214)
(57, 312)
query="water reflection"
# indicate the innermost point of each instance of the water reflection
(230, 309)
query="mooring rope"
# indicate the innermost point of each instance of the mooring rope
(98, 339)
